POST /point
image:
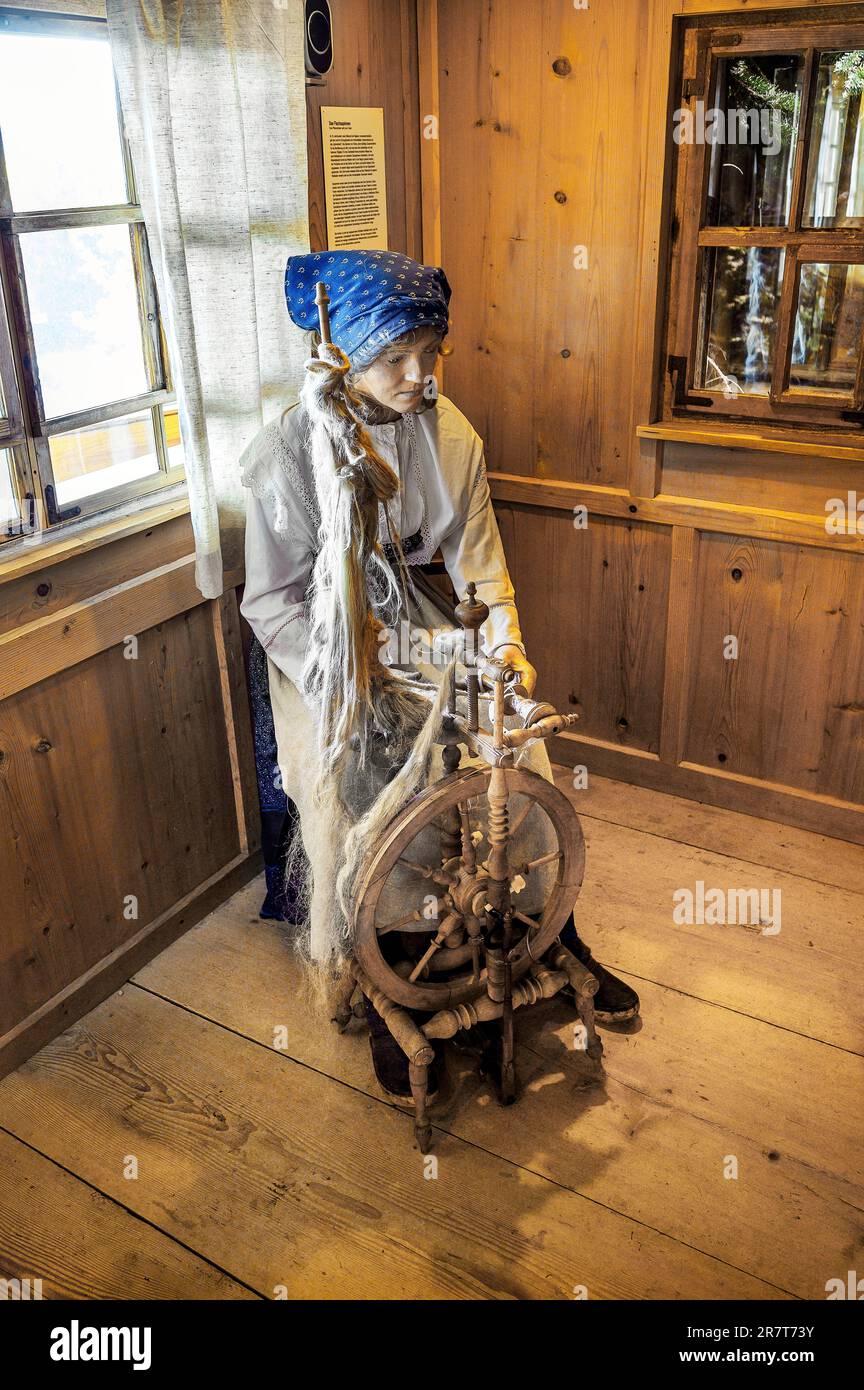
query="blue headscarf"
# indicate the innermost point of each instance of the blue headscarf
(375, 296)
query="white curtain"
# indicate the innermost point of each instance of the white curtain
(214, 101)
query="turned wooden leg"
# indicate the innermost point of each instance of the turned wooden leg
(585, 986)
(585, 1010)
(507, 1089)
(507, 1084)
(343, 1012)
(418, 1078)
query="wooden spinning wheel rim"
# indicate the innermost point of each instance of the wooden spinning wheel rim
(422, 811)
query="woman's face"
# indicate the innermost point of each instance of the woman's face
(397, 377)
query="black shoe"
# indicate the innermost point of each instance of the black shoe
(614, 1001)
(389, 1061)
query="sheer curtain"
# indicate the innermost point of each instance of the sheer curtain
(214, 101)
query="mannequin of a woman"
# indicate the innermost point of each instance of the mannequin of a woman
(389, 315)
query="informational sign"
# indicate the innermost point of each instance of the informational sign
(355, 184)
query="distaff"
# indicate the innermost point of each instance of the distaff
(322, 299)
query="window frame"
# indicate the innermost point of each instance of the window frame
(691, 241)
(26, 431)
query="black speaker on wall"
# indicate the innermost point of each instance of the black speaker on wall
(319, 38)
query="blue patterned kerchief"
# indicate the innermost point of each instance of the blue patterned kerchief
(375, 296)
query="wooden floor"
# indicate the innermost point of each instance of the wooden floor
(205, 1134)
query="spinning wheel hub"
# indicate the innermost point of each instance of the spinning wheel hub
(468, 896)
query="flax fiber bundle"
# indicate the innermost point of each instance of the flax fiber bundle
(343, 673)
(361, 704)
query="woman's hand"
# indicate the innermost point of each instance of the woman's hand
(525, 674)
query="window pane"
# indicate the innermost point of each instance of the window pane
(741, 299)
(58, 118)
(85, 313)
(828, 323)
(835, 176)
(103, 456)
(8, 501)
(756, 107)
(173, 440)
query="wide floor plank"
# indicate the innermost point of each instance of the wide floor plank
(294, 1180)
(55, 1228)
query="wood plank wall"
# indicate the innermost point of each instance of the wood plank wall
(127, 791)
(555, 366)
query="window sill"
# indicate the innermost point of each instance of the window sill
(32, 553)
(788, 442)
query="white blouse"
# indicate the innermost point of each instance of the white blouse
(444, 501)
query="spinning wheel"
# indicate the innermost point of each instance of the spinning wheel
(469, 952)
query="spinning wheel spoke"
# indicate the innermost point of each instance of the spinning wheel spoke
(436, 873)
(532, 933)
(529, 921)
(416, 916)
(448, 926)
(553, 857)
(520, 820)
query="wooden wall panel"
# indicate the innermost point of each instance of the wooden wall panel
(795, 483)
(36, 595)
(534, 165)
(374, 64)
(593, 608)
(789, 709)
(114, 781)
(562, 430)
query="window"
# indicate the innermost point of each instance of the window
(88, 417)
(766, 301)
